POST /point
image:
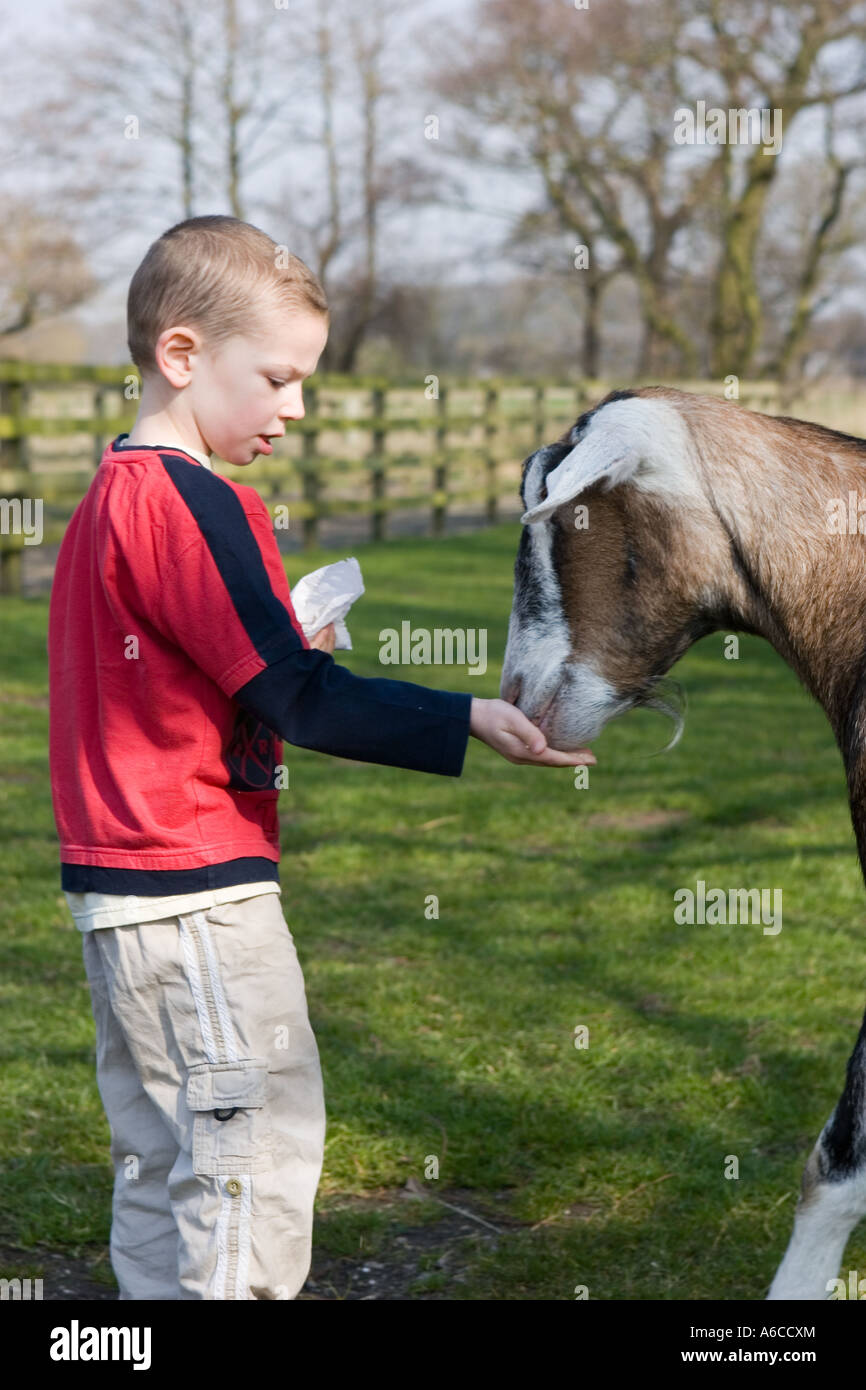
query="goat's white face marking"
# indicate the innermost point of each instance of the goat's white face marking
(539, 641)
(644, 442)
(541, 644)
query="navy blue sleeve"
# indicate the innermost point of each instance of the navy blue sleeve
(302, 694)
(309, 700)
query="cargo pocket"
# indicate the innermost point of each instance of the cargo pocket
(231, 1129)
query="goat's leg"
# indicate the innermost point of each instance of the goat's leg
(833, 1193)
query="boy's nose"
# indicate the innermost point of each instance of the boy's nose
(293, 408)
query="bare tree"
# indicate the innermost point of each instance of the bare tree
(247, 73)
(130, 90)
(829, 226)
(355, 84)
(42, 269)
(778, 58)
(176, 78)
(537, 241)
(368, 48)
(588, 99)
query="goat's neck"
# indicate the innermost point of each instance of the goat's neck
(801, 584)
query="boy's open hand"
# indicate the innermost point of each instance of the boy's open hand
(508, 731)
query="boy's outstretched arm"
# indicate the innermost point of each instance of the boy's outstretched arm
(497, 723)
(204, 571)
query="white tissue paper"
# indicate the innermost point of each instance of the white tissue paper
(325, 596)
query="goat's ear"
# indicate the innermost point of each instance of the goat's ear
(597, 456)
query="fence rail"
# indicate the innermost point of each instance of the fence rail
(390, 444)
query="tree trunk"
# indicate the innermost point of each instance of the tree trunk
(591, 330)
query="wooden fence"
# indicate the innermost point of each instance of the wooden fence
(366, 446)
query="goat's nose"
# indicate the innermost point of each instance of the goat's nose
(512, 690)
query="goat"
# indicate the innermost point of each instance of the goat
(703, 516)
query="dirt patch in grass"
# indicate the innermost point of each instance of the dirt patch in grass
(416, 1262)
(11, 697)
(634, 820)
(64, 1277)
(420, 1262)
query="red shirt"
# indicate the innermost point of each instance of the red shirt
(176, 668)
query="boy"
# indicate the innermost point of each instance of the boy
(177, 666)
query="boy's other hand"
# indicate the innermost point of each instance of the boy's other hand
(325, 639)
(508, 731)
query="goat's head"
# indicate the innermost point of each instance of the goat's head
(611, 577)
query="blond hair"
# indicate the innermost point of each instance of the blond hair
(213, 273)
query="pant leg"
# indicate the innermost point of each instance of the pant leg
(214, 1012)
(144, 1238)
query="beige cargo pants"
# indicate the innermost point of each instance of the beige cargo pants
(209, 1073)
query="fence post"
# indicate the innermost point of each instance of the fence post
(310, 481)
(378, 516)
(540, 417)
(99, 440)
(440, 469)
(14, 398)
(10, 573)
(105, 394)
(13, 401)
(491, 398)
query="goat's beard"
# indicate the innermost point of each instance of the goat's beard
(668, 697)
(578, 727)
(585, 703)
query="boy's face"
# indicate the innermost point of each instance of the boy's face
(245, 389)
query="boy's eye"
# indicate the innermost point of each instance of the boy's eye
(275, 383)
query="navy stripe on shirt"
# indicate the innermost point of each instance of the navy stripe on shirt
(150, 883)
(305, 696)
(220, 517)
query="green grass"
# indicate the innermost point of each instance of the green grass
(452, 1037)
